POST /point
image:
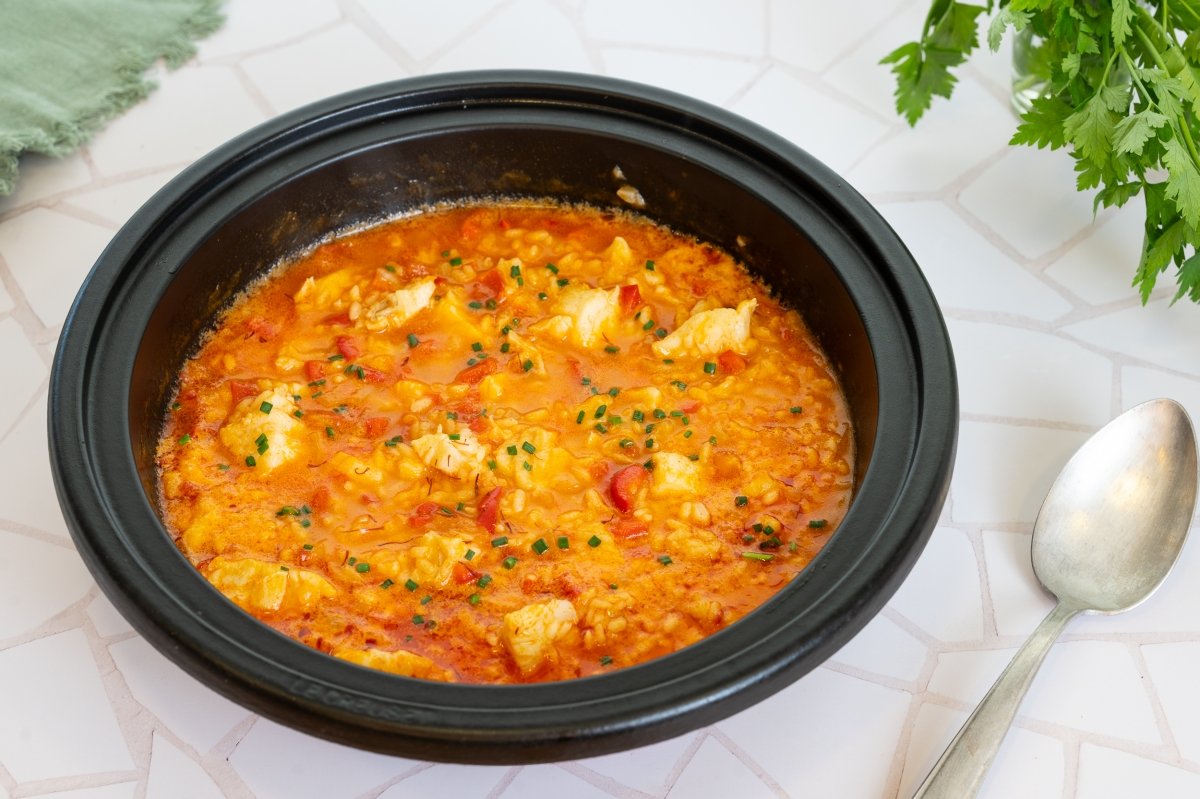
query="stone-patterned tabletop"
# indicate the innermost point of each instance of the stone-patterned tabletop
(1050, 339)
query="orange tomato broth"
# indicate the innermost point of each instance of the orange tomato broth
(505, 443)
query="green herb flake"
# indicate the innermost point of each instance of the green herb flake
(530, 448)
(579, 418)
(484, 581)
(411, 584)
(362, 568)
(605, 660)
(500, 541)
(817, 524)
(456, 261)
(509, 562)
(763, 557)
(650, 266)
(796, 409)
(527, 365)
(515, 271)
(418, 619)
(454, 436)
(563, 542)
(413, 341)
(184, 439)
(250, 461)
(662, 333)
(612, 349)
(649, 443)
(329, 433)
(543, 295)
(626, 443)
(504, 347)
(469, 554)
(649, 325)
(387, 583)
(175, 406)
(594, 541)
(562, 281)
(474, 599)
(540, 546)
(637, 416)
(741, 500)
(308, 547)
(475, 305)
(425, 600)
(600, 411)
(665, 560)
(527, 466)
(600, 428)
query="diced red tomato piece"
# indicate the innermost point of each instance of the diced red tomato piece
(489, 509)
(338, 319)
(631, 298)
(464, 574)
(375, 426)
(625, 485)
(493, 281)
(348, 347)
(320, 500)
(422, 514)
(626, 528)
(372, 375)
(263, 328)
(731, 363)
(315, 370)
(473, 374)
(240, 389)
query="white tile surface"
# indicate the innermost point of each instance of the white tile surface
(954, 612)
(1158, 333)
(1028, 765)
(177, 123)
(443, 780)
(715, 771)
(883, 647)
(935, 155)
(352, 60)
(1111, 774)
(27, 493)
(59, 720)
(956, 259)
(48, 254)
(857, 716)
(20, 358)
(1050, 212)
(27, 598)
(1173, 669)
(646, 768)
(1036, 295)
(276, 761)
(528, 34)
(174, 775)
(1003, 471)
(733, 28)
(196, 714)
(1060, 381)
(832, 131)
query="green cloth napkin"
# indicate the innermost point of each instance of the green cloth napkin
(68, 66)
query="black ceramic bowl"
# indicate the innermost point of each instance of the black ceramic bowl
(391, 148)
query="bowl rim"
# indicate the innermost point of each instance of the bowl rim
(498, 724)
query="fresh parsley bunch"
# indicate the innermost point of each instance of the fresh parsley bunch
(1122, 96)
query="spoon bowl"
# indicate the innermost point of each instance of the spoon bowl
(1115, 520)
(1111, 528)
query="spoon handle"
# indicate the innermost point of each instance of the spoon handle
(959, 772)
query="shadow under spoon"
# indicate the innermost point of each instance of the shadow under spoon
(1107, 535)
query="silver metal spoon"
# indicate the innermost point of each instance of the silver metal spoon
(1108, 533)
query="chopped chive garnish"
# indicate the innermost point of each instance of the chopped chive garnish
(478, 347)
(456, 261)
(540, 546)
(626, 443)
(796, 409)
(460, 507)
(605, 660)
(425, 600)
(329, 432)
(175, 406)
(475, 305)
(659, 413)
(637, 416)
(676, 414)
(649, 325)
(579, 418)
(587, 381)
(387, 583)
(768, 530)
(484, 581)
(710, 368)
(413, 341)
(817, 524)
(338, 357)
(491, 464)
(543, 295)
(352, 561)
(600, 411)
(527, 365)
(527, 466)
(611, 349)
(648, 465)
(455, 436)
(649, 428)
(288, 510)
(452, 415)
(185, 438)
(305, 523)
(490, 305)
(315, 383)
(740, 500)
(530, 448)
(649, 443)
(445, 253)
(504, 347)
(553, 269)
(284, 568)
(511, 449)
(390, 267)
(250, 461)
(500, 541)
(688, 434)
(411, 584)
(308, 547)
(747, 539)
(757, 527)
(661, 333)
(223, 467)
(563, 543)
(594, 542)
(694, 456)
(764, 557)
(650, 265)
(514, 271)
(679, 384)
(712, 440)
(442, 509)
(266, 407)
(469, 554)
(600, 428)
(474, 599)
(509, 562)
(299, 414)
(418, 619)
(665, 560)
(614, 391)
(562, 281)
(362, 568)
(505, 330)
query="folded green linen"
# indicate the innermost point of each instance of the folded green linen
(68, 66)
